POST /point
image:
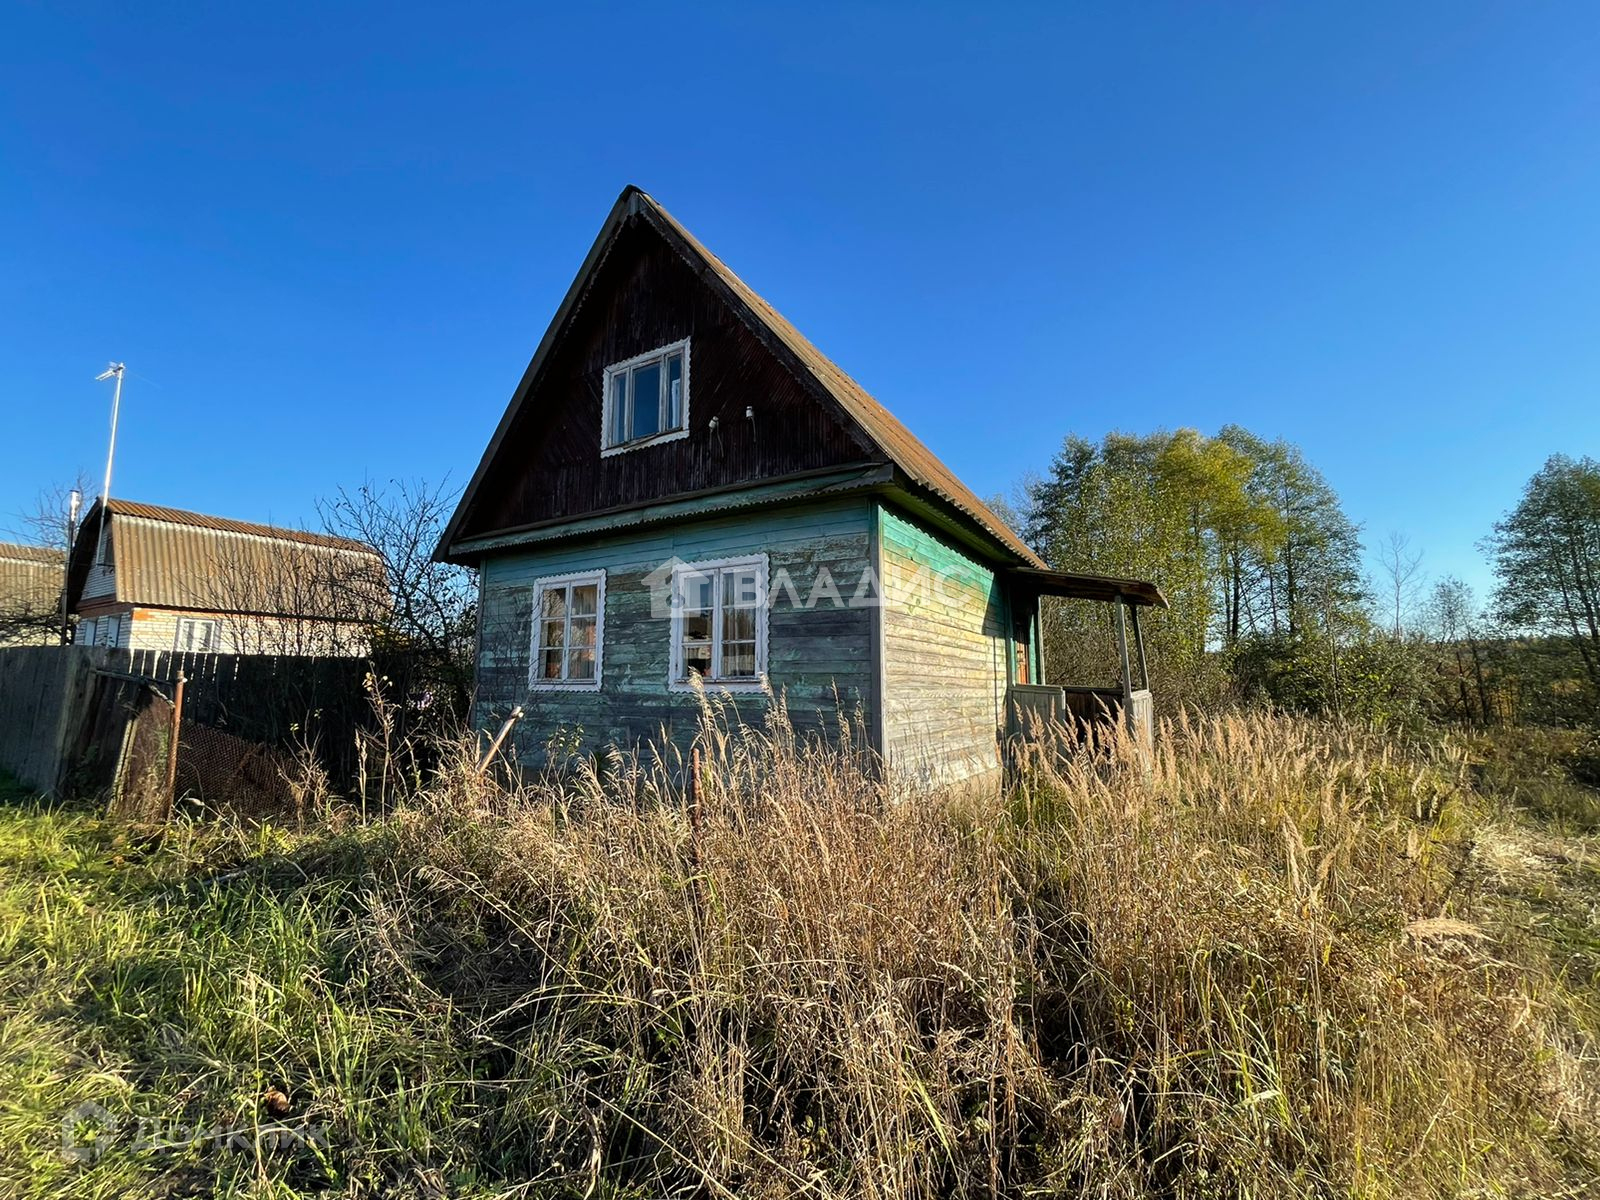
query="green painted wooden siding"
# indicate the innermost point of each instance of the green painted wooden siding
(945, 644)
(814, 654)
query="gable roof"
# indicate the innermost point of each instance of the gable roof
(179, 516)
(19, 552)
(880, 429)
(172, 558)
(30, 579)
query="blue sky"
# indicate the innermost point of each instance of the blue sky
(327, 239)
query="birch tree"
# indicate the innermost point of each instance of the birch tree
(1547, 559)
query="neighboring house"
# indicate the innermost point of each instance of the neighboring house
(164, 579)
(30, 595)
(684, 491)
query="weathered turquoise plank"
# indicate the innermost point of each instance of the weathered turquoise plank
(945, 654)
(812, 652)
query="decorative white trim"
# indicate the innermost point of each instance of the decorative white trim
(677, 680)
(536, 682)
(627, 364)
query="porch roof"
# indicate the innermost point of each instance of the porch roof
(1105, 588)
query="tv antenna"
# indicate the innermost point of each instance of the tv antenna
(112, 371)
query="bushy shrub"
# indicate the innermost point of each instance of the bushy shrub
(1371, 677)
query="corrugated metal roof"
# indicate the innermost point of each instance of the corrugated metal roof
(171, 558)
(19, 553)
(30, 579)
(179, 516)
(899, 444)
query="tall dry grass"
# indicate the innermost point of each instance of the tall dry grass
(1240, 965)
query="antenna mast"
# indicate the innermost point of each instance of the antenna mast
(113, 370)
(73, 503)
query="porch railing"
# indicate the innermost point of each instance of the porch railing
(1031, 706)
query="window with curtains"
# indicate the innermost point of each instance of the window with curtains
(568, 631)
(719, 623)
(646, 399)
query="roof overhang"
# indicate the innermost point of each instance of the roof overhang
(1107, 589)
(712, 502)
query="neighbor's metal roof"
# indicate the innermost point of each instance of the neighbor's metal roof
(171, 558)
(30, 578)
(179, 516)
(20, 553)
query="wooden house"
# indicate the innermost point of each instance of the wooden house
(684, 492)
(144, 577)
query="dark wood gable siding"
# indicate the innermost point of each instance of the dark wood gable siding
(645, 295)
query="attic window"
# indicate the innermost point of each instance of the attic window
(647, 399)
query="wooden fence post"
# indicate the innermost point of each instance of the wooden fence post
(1127, 668)
(694, 795)
(696, 883)
(172, 747)
(499, 738)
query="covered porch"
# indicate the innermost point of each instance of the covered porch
(1033, 701)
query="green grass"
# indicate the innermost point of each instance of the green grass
(1280, 959)
(134, 977)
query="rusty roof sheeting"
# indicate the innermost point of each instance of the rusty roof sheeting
(171, 558)
(30, 579)
(899, 444)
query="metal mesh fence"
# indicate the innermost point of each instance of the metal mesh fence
(216, 771)
(139, 786)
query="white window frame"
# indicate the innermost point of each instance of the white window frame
(536, 681)
(607, 447)
(109, 631)
(678, 679)
(215, 636)
(88, 631)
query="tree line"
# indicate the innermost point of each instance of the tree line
(1270, 600)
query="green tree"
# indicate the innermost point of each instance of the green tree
(1246, 539)
(1304, 569)
(1110, 509)
(1547, 559)
(1458, 641)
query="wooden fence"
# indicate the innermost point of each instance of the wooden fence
(273, 700)
(76, 720)
(44, 690)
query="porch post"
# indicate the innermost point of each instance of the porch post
(1122, 649)
(1038, 636)
(1138, 641)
